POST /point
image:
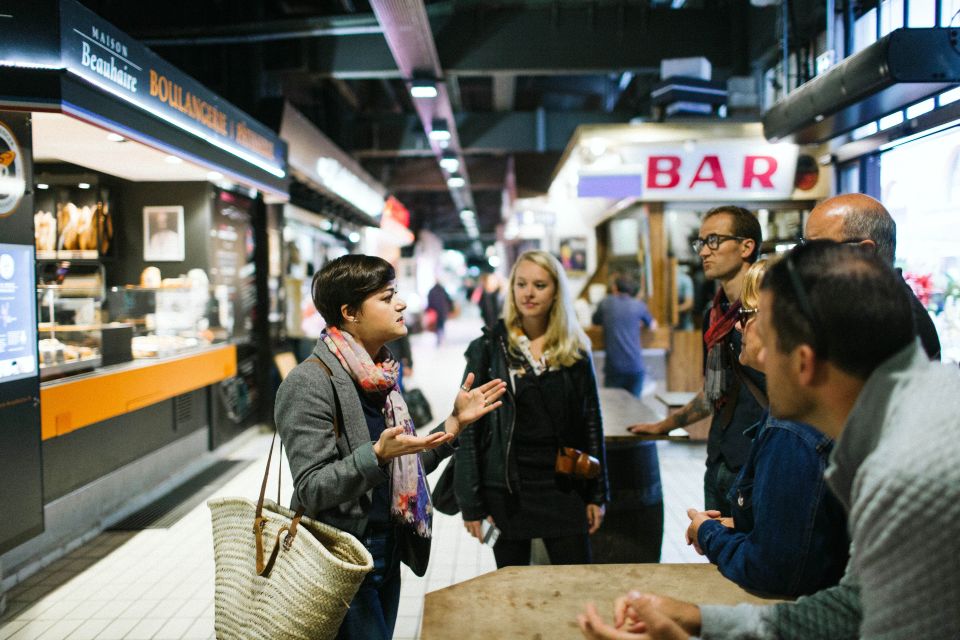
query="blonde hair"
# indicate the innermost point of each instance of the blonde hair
(750, 293)
(565, 340)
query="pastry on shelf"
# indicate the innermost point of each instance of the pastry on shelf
(44, 231)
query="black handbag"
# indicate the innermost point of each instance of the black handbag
(443, 496)
(414, 550)
(418, 407)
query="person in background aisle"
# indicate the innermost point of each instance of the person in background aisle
(858, 374)
(685, 298)
(788, 533)
(635, 531)
(855, 218)
(403, 354)
(490, 302)
(622, 316)
(728, 244)
(505, 469)
(439, 301)
(366, 479)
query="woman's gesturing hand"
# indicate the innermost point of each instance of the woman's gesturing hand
(595, 514)
(396, 442)
(473, 404)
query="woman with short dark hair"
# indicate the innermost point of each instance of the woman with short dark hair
(368, 477)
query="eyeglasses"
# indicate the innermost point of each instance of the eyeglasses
(712, 241)
(806, 309)
(744, 315)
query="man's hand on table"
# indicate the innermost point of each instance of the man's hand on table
(697, 518)
(643, 617)
(652, 428)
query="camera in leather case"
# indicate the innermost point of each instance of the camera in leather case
(576, 463)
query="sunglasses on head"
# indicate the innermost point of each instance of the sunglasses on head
(744, 315)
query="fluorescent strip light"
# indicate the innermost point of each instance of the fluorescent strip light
(423, 88)
(115, 137)
(918, 135)
(455, 182)
(83, 185)
(450, 162)
(439, 130)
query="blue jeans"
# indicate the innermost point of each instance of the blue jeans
(373, 613)
(632, 382)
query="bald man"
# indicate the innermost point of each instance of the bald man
(855, 218)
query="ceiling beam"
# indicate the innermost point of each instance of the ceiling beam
(480, 133)
(538, 41)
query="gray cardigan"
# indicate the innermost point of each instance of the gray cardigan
(333, 477)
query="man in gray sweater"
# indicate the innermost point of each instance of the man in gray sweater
(841, 354)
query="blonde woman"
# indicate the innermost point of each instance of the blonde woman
(505, 470)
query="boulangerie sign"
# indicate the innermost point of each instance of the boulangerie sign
(711, 170)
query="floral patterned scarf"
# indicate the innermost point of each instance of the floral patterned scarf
(410, 500)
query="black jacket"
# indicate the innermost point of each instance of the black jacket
(485, 458)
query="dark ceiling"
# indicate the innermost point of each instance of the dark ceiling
(520, 76)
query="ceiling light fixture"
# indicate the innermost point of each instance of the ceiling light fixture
(173, 160)
(83, 185)
(439, 130)
(41, 185)
(423, 88)
(456, 181)
(115, 137)
(450, 162)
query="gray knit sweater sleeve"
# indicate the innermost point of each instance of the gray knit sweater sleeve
(830, 614)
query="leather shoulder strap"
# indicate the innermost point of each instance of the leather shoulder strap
(757, 393)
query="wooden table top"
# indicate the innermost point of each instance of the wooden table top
(620, 409)
(543, 601)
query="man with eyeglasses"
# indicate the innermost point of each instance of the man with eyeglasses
(729, 242)
(863, 379)
(855, 218)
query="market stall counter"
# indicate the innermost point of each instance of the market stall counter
(65, 405)
(543, 601)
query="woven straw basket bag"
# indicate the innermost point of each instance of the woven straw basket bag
(301, 591)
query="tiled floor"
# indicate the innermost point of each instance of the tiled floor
(158, 583)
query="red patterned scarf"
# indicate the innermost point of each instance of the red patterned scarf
(717, 375)
(410, 502)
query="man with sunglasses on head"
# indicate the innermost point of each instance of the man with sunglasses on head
(855, 218)
(860, 376)
(729, 242)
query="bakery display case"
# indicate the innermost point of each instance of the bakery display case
(169, 318)
(72, 218)
(69, 298)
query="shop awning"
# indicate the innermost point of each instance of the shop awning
(56, 55)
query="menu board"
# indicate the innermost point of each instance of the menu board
(18, 322)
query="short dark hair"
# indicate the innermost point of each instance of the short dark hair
(861, 312)
(348, 280)
(745, 225)
(625, 284)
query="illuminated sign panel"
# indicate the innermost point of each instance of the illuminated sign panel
(713, 170)
(108, 58)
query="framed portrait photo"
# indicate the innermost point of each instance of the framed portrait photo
(163, 234)
(573, 255)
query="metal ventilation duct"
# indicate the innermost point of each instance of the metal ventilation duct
(902, 68)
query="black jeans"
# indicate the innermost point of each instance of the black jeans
(717, 482)
(562, 550)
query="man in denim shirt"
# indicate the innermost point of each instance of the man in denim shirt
(789, 534)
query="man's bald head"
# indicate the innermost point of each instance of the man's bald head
(854, 217)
